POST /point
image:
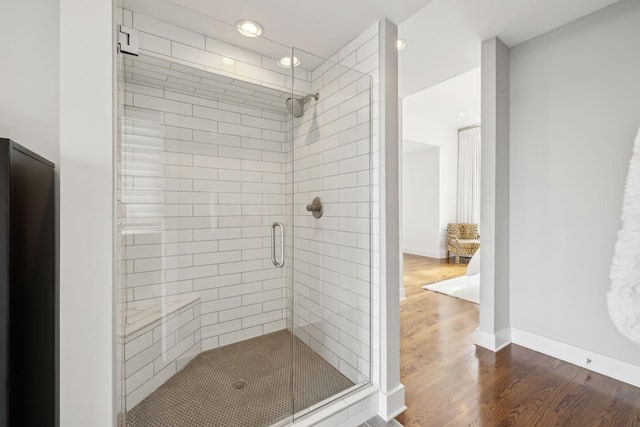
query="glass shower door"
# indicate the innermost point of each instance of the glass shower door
(206, 213)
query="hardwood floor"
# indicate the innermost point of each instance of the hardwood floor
(450, 382)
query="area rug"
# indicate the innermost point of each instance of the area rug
(464, 287)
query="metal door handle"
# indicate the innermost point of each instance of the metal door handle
(273, 244)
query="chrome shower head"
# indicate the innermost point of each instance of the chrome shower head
(296, 105)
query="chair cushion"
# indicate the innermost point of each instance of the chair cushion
(467, 242)
(466, 247)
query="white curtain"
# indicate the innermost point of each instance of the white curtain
(469, 175)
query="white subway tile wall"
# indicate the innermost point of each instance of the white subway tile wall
(367, 61)
(332, 155)
(196, 219)
(205, 164)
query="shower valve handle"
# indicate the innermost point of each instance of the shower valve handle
(316, 207)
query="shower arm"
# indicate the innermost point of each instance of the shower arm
(315, 96)
(308, 97)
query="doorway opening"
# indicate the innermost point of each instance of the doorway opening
(440, 197)
(441, 181)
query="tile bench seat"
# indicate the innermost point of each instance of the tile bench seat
(159, 340)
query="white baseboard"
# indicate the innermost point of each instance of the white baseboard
(427, 253)
(617, 369)
(403, 293)
(391, 404)
(493, 342)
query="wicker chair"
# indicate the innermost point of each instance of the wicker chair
(462, 240)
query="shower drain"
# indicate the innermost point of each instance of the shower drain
(239, 385)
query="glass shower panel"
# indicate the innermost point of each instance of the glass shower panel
(204, 181)
(331, 247)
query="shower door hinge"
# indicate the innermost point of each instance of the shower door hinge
(128, 40)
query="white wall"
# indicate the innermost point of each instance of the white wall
(332, 156)
(448, 183)
(421, 202)
(444, 137)
(387, 174)
(574, 114)
(86, 214)
(30, 81)
(433, 116)
(29, 75)
(493, 329)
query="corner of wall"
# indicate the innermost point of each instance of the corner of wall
(391, 391)
(391, 403)
(494, 289)
(494, 342)
(86, 214)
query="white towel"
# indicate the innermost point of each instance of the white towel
(624, 297)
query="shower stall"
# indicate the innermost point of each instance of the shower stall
(243, 229)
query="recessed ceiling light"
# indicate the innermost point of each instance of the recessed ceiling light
(461, 115)
(285, 62)
(400, 44)
(249, 28)
(227, 61)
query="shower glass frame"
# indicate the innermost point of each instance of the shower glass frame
(127, 267)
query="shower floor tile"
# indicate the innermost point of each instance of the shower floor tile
(246, 384)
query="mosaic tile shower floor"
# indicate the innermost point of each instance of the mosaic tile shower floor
(209, 391)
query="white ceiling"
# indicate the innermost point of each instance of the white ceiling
(443, 36)
(431, 114)
(321, 27)
(443, 39)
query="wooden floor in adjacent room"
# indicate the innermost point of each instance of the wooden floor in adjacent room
(450, 382)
